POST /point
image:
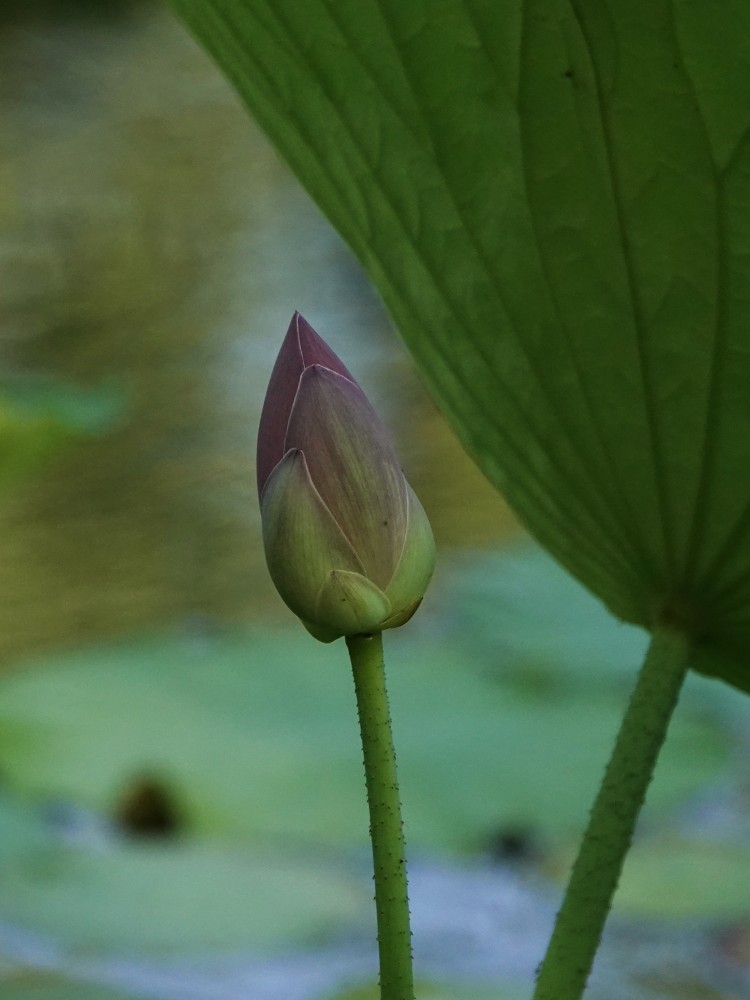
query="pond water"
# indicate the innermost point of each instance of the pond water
(151, 241)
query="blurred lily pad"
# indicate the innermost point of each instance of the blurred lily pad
(91, 409)
(523, 607)
(23, 984)
(435, 991)
(39, 416)
(22, 829)
(529, 622)
(680, 878)
(257, 735)
(673, 877)
(142, 898)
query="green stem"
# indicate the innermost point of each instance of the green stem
(593, 881)
(386, 827)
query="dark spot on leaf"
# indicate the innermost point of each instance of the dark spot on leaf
(513, 844)
(148, 808)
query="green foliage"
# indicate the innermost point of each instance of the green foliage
(674, 877)
(39, 417)
(523, 615)
(159, 898)
(670, 878)
(258, 737)
(126, 896)
(552, 199)
(520, 608)
(255, 736)
(22, 984)
(432, 991)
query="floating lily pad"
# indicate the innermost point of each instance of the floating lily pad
(676, 878)
(18, 983)
(257, 736)
(530, 623)
(112, 894)
(156, 898)
(521, 607)
(40, 416)
(87, 410)
(22, 829)
(435, 991)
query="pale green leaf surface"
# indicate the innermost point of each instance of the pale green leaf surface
(524, 617)
(101, 892)
(177, 897)
(674, 878)
(686, 880)
(258, 739)
(23, 984)
(554, 201)
(39, 417)
(436, 991)
(521, 612)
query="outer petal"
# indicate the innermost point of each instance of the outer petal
(320, 633)
(415, 566)
(350, 603)
(301, 348)
(353, 466)
(302, 541)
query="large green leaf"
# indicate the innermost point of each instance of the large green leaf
(552, 197)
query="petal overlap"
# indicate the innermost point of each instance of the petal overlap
(348, 544)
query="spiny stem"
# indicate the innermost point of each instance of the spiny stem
(386, 827)
(580, 921)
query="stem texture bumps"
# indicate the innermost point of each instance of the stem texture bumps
(386, 826)
(580, 921)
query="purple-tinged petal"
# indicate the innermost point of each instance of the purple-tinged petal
(353, 466)
(301, 348)
(351, 603)
(340, 524)
(301, 539)
(315, 351)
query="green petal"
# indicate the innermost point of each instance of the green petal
(320, 633)
(415, 566)
(351, 604)
(397, 620)
(302, 541)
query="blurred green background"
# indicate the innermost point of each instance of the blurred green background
(182, 808)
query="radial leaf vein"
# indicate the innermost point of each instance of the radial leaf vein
(636, 308)
(595, 482)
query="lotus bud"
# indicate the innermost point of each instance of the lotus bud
(347, 543)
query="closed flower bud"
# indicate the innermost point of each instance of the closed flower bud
(348, 544)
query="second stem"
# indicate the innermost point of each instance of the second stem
(592, 885)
